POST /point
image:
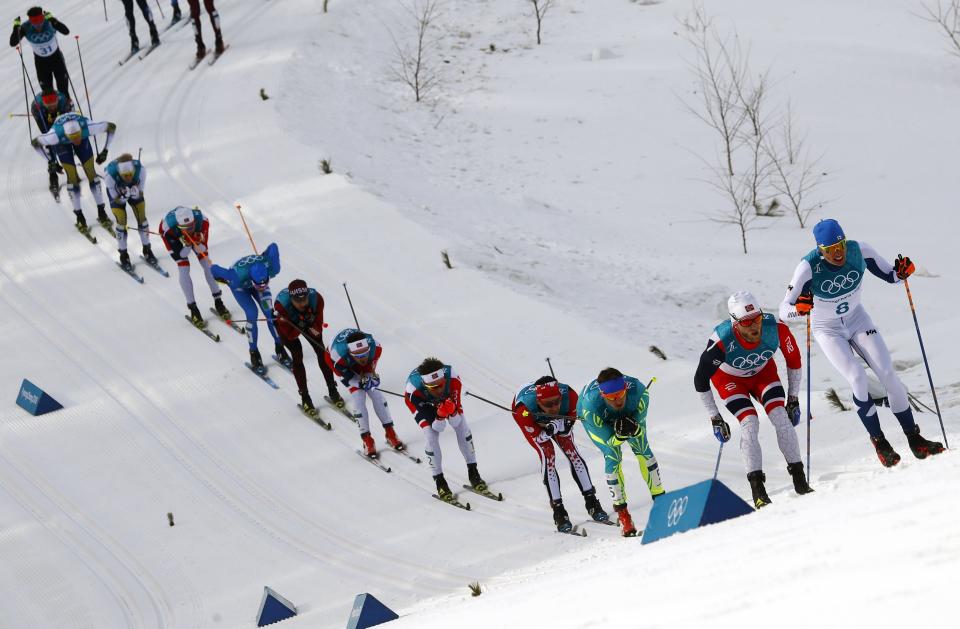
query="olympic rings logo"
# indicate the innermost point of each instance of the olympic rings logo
(752, 361)
(840, 282)
(677, 508)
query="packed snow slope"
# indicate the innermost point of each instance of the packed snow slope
(564, 180)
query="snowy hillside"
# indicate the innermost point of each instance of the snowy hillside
(564, 180)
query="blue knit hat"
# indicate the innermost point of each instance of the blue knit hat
(828, 232)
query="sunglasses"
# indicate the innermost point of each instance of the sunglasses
(747, 323)
(550, 403)
(616, 396)
(834, 248)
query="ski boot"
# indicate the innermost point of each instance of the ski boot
(148, 255)
(475, 481)
(201, 51)
(102, 217)
(154, 35)
(307, 403)
(443, 490)
(626, 522)
(281, 353)
(218, 47)
(134, 44)
(760, 497)
(800, 484)
(392, 438)
(560, 517)
(337, 399)
(920, 447)
(256, 361)
(593, 506)
(81, 221)
(222, 311)
(125, 261)
(369, 447)
(885, 452)
(195, 317)
(176, 14)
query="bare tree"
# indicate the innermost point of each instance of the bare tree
(752, 99)
(739, 211)
(794, 174)
(540, 8)
(946, 14)
(413, 62)
(718, 73)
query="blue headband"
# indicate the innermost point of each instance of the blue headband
(612, 386)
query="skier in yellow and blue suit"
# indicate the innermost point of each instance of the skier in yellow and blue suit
(613, 409)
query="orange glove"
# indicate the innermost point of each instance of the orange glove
(904, 267)
(446, 409)
(805, 303)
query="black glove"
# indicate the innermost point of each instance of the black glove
(102, 156)
(625, 428)
(567, 427)
(793, 410)
(53, 166)
(721, 429)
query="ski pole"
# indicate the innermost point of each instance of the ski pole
(247, 229)
(483, 399)
(158, 7)
(105, 18)
(83, 73)
(551, 368)
(391, 393)
(26, 97)
(809, 414)
(716, 468)
(926, 364)
(350, 301)
(13, 115)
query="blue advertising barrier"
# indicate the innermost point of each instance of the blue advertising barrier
(368, 611)
(274, 608)
(705, 503)
(35, 400)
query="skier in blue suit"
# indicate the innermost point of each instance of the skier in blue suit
(249, 280)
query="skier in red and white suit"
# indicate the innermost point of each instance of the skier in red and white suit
(739, 362)
(546, 411)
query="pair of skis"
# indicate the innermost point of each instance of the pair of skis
(136, 52)
(216, 56)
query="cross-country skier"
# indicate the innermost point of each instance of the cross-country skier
(833, 272)
(433, 395)
(41, 31)
(70, 136)
(249, 281)
(739, 362)
(46, 107)
(132, 24)
(126, 181)
(353, 356)
(214, 21)
(613, 409)
(298, 310)
(184, 230)
(545, 410)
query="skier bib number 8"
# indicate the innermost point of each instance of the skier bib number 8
(842, 307)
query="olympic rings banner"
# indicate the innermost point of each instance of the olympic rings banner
(705, 503)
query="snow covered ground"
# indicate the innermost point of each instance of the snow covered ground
(564, 181)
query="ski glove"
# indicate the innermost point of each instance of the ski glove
(102, 156)
(367, 383)
(793, 410)
(625, 428)
(554, 427)
(16, 23)
(904, 267)
(721, 429)
(446, 408)
(805, 303)
(133, 192)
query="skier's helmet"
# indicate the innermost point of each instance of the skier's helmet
(299, 291)
(184, 216)
(828, 232)
(259, 276)
(743, 306)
